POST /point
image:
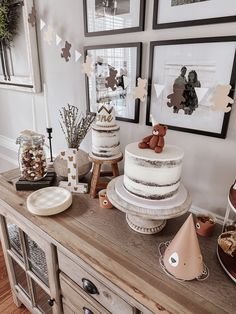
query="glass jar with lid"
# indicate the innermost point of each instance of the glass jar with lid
(32, 156)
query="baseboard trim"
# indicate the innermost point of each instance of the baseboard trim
(197, 210)
(9, 159)
(8, 143)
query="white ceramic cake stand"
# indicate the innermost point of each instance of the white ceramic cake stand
(144, 215)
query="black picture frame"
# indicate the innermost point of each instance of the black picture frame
(156, 25)
(138, 28)
(138, 46)
(232, 82)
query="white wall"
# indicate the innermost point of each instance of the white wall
(209, 166)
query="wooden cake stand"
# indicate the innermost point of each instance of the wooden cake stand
(147, 216)
(96, 185)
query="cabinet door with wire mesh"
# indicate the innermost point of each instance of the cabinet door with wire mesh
(33, 267)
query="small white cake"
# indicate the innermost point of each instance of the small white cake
(106, 134)
(105, 115)
(151, 175)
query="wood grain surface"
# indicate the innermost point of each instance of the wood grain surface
(103, 240)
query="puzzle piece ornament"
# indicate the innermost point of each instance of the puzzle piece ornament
(87, 67)
(221, 100)
(140, 91)
(32, 17)
(111, 80)
(176, 99)
(66, 51)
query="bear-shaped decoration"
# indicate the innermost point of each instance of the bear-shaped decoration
(156, 140)
(87, 66)
(176, 99)
(32, 17)
(141, 90)
(221, 100)
(111, 80)
(66, 51)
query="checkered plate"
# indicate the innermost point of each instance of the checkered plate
(49, 201)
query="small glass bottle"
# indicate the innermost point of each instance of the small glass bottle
(32, 157)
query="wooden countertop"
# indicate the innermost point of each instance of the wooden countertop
(130, 260)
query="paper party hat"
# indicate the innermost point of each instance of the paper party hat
(183, 258)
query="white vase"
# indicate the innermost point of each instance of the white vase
(83, 164)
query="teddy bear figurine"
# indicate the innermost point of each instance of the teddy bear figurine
(156, 140)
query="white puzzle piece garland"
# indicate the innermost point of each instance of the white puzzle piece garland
(72, 184)
(87, 67)
(140, 91)
(221, 100)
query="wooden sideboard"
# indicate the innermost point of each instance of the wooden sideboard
(96, 264)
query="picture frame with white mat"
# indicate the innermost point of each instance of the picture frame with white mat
(198, 66)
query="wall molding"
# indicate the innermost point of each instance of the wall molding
(9, 159)
(197, 210)
(8, 143)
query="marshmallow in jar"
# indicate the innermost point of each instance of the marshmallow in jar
(32, 157)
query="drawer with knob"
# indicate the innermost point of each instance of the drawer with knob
(76, 300)
(93, 287)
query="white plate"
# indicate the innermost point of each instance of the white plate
(49, 201)
(175, 201)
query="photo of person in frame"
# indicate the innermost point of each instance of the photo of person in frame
(181, 2)
(111, 7)
(187, 87)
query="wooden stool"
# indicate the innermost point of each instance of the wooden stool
(97, 173)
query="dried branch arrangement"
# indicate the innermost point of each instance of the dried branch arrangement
(74, 125)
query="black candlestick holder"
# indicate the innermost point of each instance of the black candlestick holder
(49, 131)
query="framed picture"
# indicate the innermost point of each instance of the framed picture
(185, 79)
(19, 62)
(107, 17)
(181, 13)
(116, 70)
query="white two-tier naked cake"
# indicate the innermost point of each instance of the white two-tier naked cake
(150, 191)
(106, 134)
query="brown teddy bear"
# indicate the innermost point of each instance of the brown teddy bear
(156, 140)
